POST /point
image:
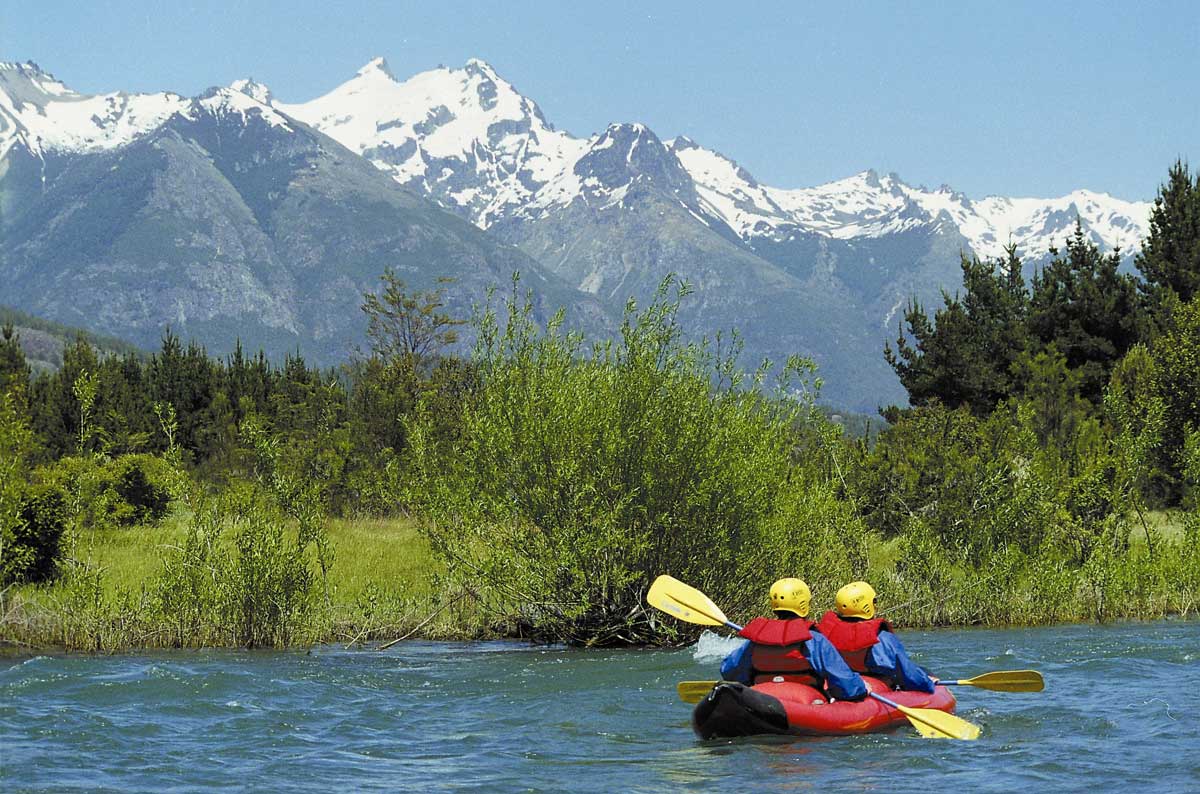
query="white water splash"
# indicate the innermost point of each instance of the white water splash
(712, 648)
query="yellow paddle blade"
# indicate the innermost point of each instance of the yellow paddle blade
(686, 603)
(1007, 681)
(928, 731)
(694, 691)
(934, 724)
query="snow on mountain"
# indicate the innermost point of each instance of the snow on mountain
(223, 102)
(623, 158)
(464, 136)
(473, 142)
(728, 191)
(870, 205)
(253, 89)
(47, 115)
(1036, 224)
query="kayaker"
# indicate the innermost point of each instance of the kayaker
(786, 648)
(868, 643)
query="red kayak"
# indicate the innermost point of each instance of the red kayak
(787, 707)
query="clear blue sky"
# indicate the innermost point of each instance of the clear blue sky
(1010, 98)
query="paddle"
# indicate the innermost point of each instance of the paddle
(686, 603)
(1000, 681)
(689, 604)
(1005, 681)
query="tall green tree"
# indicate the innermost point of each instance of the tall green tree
(1176, 356)
(1091, 313)
(14, 369)
(1170, 255)
(185, 378)
(53, 403)
(964, 355)
(409, 324)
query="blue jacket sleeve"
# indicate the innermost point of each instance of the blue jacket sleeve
(736, 666)
(889, 659)
(843, 683)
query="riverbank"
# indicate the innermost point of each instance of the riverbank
(385, 583)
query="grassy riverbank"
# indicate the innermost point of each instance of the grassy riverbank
(385, 583)
(380, 553)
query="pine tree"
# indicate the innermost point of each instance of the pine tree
(14, 369)
(965, 354)
(53, 403)
(1088, 311)
(1170, 256)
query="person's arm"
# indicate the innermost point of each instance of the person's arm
(889, 657)
(736, 666)
(843, 683)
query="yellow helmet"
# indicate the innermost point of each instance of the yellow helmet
(791, 594)
(856, 600)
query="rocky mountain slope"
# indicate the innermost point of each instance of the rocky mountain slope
(224, 219)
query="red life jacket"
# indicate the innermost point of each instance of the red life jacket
(853, 638)
(778, 649)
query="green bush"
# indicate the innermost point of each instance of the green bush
(33, 549)
(578, 476)
(122, 492)
(241, 576)
(138, 489)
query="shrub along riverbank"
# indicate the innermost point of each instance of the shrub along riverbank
(117, 592)
(386, 583)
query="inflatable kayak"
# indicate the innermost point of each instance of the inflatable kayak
(786, 707)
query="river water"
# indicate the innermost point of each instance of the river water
(1119, 711)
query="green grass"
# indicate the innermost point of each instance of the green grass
(130, 557)
(388, 553)
(1163, 524)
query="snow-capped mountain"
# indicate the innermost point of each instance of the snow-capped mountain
(870, 205)
(224, 220)
(39, 110)
(464, 136)
(821, 271)
(468, 138)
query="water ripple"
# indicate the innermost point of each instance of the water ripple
(507, 717)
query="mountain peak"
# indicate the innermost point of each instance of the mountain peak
(231, 101)
(481, 67)
(627, 152)
(253, 89)
(28, 82)
(39, 109)
(376, 67)
(28, 67)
